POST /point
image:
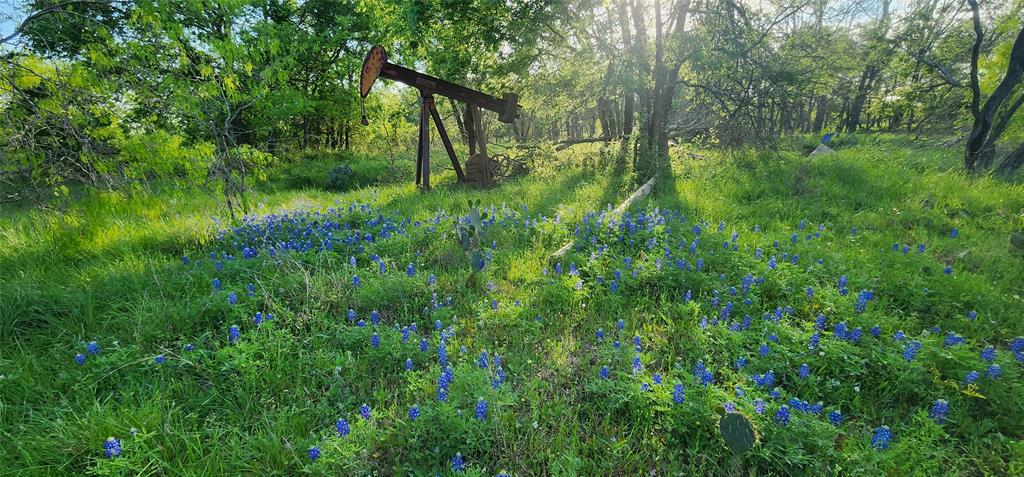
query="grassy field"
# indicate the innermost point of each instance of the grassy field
(881, 267)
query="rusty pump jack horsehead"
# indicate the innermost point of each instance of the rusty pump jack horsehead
(479, 169)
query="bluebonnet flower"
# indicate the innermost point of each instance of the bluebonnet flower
(481, 409)
(637, 366)
(442, 354)
(764, 380)
(760, 406)
(971, 377)
(881, 438)
(741, 362)
(355, 280)
(458, 465)
(438, 325)
(636, 344)
(257, 319)
(782, 415)
(953, 339)
(375, 340)
(988, 354)
(431, 280)
(342, 427)
(414, 412)
(993, 371)
(862, 300)
(251, 289)
(810, 292)
(954, 233)
(815, 339)
(775, 393)
(352, 261)
(772, 264)
(805, 371)
(410, 270)
(620, 324)
(92, 347)
(600, 334)
(382, 267)
(351, 315)
(185, 260)
(482, 361)
(423, 345)
(939, 410)
(604, 372)
(910, 350)
(972, 315)
(408, 364)
(763, 350)
(314, 453)
(80, 359)
(232, 298)
(361, 323)
(730, 407)
(920, 248)
(234, 334)
(112, 447)
(405, 334)
(189, 347)
(160, 359)
(875, 331)
(948, 270)
(899, 336)
(216, 284)
(835, 417)
(616, 344)
(375, 317)
(678, 393)
(364, 411)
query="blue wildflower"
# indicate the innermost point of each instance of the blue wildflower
(80, 359)
(112, 447)
(805, 371)
(604, 372)
(760, 405)
(364, 411)
(458, 465)
(408, 364)
(678, 393)
(216, 284)
(234, 334)
(971, 377)
(988, 354)
(232, 298)
(835, 417)
(782, 415)
(881, 438)
(342, 427)
(993, 371)
(314, 453)
(481, 409)
(160, 359)
(939, 410)
(375, 340)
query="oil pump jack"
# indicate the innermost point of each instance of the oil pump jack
(480, 169)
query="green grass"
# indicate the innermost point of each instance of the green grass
(109, 268)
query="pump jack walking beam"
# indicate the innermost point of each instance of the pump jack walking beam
(376, 65)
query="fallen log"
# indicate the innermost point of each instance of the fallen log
(635, 196)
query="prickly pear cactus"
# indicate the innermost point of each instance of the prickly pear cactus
(737, 432)
(468, 233)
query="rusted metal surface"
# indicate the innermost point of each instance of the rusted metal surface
(482, 172)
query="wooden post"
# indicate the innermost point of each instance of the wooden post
(423, 156)
(441, 131)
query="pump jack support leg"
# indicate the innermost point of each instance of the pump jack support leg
(447, 142)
